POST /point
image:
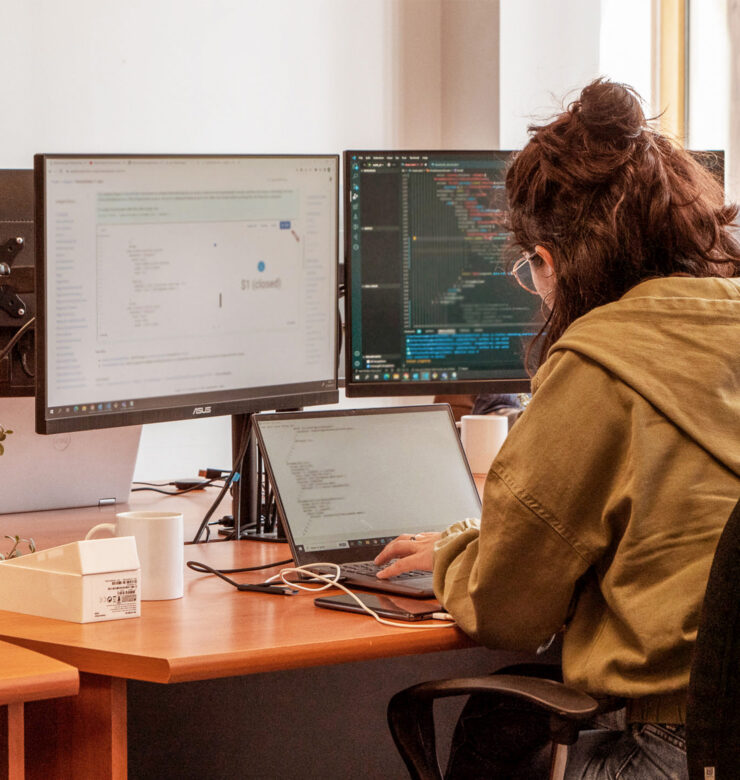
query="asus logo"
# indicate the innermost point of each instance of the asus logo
(202, 410)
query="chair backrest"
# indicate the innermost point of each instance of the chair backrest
(713, 708)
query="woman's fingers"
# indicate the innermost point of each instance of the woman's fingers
(398, 548)
(410, 551)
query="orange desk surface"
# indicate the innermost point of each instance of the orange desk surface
(213, 631)
(216, 631)
(26, 676)
(59, 526)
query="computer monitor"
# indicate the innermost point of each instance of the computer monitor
(17, 296)
(183, 286)
(713, 160)
(432, 305)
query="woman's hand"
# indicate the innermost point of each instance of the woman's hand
(412, 551)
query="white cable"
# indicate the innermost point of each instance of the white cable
(331, 580)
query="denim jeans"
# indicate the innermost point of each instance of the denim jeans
(510, 740)
(642, 751)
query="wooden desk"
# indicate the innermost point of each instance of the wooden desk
(26, 676)
(49, 529)
(214, 631)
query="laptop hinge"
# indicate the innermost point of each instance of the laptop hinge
(106, 501)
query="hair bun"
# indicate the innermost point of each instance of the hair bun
(610, 112)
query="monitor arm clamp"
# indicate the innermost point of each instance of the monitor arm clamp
(10, 301)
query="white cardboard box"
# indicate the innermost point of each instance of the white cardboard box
(83, 582)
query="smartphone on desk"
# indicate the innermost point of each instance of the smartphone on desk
(393, 607)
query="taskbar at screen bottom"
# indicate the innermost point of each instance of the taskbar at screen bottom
(110, 414)
(348, 544)
(408, 374)
(450, 382)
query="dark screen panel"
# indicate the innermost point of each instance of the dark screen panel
(432, 305)
(17, 294)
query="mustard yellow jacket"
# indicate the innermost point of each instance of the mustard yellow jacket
(602, 510)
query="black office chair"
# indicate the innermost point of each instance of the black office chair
(713, 708)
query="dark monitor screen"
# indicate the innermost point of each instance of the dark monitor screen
(180, 286)
(432, 305)
(713, 160)
(17, 296)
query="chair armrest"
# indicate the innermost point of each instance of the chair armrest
(411, 720)
(553, 696)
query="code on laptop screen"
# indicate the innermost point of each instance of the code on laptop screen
(364, 478)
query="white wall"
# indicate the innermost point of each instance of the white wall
(709, 84)
(732, 165)
(550, 50)
(220, 76)
(446, 74)
(196, 76)
(253, 76)
(626, 45)
(709, 75)
(470, 64)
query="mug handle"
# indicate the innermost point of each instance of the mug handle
(109, 526)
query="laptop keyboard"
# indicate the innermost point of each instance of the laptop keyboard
(371, 569)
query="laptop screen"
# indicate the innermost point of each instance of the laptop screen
(358, 478)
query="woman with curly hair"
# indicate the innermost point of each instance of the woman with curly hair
(602, 511)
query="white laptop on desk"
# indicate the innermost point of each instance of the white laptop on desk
(89, 468)
(347, 482)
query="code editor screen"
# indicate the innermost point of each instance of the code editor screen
(432, 298)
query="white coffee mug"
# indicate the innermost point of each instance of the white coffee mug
(482, 436)
(160, 539)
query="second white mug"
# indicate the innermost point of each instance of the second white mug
(482, 436)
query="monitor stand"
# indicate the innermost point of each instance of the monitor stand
(254, 511)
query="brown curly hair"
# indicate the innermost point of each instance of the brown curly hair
(615, 203)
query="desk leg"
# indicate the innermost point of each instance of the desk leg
(81, 736)
(11, 742)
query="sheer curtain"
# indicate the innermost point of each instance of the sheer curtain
(733, 136)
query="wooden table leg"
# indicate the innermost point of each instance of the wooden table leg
(81, 736)
(11, 742)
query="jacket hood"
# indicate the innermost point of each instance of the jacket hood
(676, 342)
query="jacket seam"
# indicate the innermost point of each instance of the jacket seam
(543, 515)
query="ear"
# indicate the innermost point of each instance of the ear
(546, 256)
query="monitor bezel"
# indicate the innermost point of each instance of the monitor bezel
(265, 399)
(364, 389)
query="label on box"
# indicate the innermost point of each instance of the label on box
(116, 595)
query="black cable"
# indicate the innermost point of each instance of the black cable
(26, 355)
(231, 535)
(260, 587)
(16, 337)
(203, 568)
(157, 488)
(227, 484)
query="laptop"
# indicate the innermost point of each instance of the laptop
(89, 468)
(347, 482)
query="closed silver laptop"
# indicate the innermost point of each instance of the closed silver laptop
(88, 468)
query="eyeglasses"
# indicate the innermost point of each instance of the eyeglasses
(522, 272)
